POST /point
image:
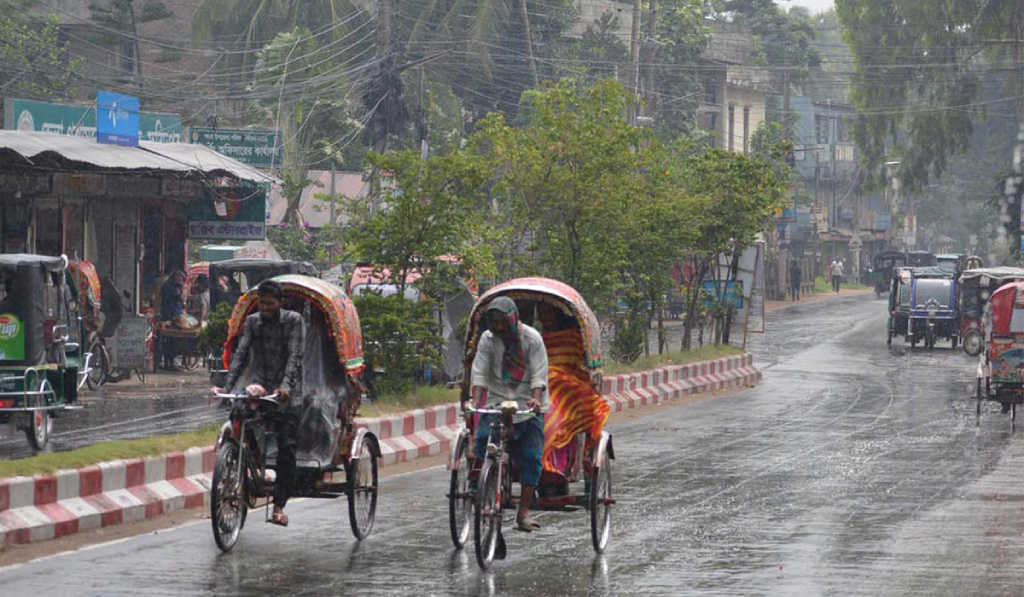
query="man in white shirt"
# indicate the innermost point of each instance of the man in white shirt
(837, 274)
(511, 363)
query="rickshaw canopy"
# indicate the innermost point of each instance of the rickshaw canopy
(889, 259)
(331, 301)
(556, 293)
(254, 272)
(32, 304)
(86, 285)
(1007, 304)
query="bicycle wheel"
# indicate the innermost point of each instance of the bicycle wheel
(460, 502)
(100, 366)
(227, 499)
(601, 505)
(362, 492)
(487, 514)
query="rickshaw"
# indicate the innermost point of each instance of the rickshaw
(883, 265)
(921, 259)
(232, 278)
(976, 287)
(86, 293)
(1000, 374)
(329, 444)
(899, 303)
(581, 460)
(41, 368)
(924, 306)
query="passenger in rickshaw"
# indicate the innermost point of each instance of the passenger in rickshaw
(511, 363)
(274, 340)
(576, 407)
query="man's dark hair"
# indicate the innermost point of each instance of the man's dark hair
(270, 288)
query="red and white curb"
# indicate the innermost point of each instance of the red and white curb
(662, 385)
(43, 507)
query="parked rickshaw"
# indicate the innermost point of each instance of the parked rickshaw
(86, 294)
(329, 444)
(1000, 374)
(883, 265)
(583, 460)
(899, 303)
(41, 368)
(976, 287)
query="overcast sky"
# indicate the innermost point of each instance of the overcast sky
(811, 5)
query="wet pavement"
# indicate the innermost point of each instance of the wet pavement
(850, 470)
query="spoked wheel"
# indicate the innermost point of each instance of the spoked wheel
(601, 504)
(362, 493)
(487, 514)
(227, 499)
(100, 364)
(973, 343)
(460, 502)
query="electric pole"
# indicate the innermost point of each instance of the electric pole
(652, 49)
(634, 56)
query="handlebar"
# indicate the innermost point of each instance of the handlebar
(498, 411)
(272, 398)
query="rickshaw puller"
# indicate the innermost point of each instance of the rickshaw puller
(274, 339)
(511, 363)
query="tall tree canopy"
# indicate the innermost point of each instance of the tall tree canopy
(33, 59)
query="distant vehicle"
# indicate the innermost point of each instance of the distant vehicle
(921, 259)
(1000, 374)
(884, 263)
(923, 306)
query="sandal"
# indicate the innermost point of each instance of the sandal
(279, 518)
(527, 526)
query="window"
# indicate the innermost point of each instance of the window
(711, 91)
(841, 130)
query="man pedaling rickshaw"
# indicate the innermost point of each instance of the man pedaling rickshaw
(272, 344)
(511, 363)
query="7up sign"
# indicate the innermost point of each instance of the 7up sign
(12, 338)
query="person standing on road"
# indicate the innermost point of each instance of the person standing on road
(272, 344)
(511, 363)
(837, 274)
(795, 275)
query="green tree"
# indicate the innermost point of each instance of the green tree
(33, 60)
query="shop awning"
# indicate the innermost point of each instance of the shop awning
(48, 150)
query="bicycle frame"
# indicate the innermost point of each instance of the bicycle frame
(243, 409)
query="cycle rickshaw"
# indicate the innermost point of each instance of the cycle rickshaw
(42, 367)
(976, 287)
(329, 444)
(1001, 370)
(585, 460)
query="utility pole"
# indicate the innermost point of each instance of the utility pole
(652, 50)
(421, 119)
(525, 16)
(634, 57)
(334, 212)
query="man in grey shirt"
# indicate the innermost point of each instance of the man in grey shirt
(511, 363)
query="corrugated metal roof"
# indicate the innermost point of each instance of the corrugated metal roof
(86, 151)
(200, 157)
(169, 157)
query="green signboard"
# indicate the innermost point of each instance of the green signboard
(229, 213)
(80, 121)
(260, 148)
(12, 338)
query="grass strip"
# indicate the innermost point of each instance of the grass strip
(419, 397)
(822, 285)
(668, 359)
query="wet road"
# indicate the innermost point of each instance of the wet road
(851, 470)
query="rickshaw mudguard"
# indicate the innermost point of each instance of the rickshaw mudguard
(224, 435)
(456, 447)
(353, 448)
(604, 446)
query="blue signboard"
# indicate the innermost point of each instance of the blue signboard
(117, 119)
(727, 291)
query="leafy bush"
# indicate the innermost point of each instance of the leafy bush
(215, 334)
(630, 336)
(400, 337)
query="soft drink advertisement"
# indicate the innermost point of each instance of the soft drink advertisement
(12, 338)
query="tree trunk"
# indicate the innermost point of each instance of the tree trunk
(528, 42)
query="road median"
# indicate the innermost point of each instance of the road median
(44, 507)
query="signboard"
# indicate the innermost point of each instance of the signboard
(117, 119)
(733, 292)
(229, 213)
(12, 338)
(259, 148)
(80, 121)
(127, 347)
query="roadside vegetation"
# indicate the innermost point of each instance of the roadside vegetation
(668, 359)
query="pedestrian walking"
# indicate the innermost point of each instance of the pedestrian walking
(837, 275)
(795, 275)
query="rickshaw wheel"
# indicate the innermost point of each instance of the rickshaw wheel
(362, 493)
(460, 504)
(38, 431)
(600, 507)
(487, 514)
(100, 366)
(227, 521)
(973, 343)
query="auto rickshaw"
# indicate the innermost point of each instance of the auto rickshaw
(899, 303)
(883, 265)
(921, 259)
(976, 287)
(585, 460)
(328, 442)
(41, 367)
(1000, 374)
(924, 306)
(232, 278)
